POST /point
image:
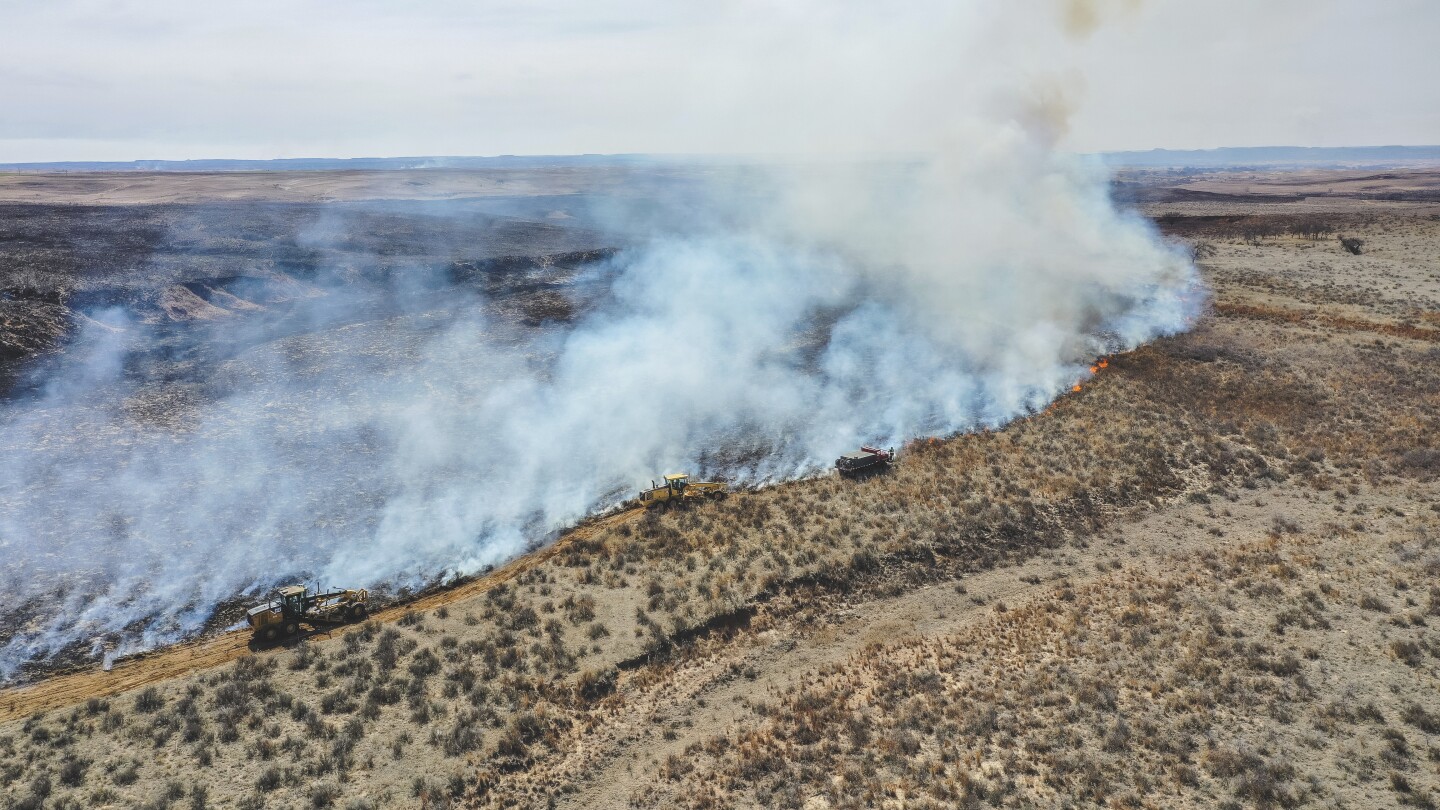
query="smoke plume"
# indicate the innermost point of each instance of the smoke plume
(793, 312)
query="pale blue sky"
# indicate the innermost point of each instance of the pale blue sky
(124, 79)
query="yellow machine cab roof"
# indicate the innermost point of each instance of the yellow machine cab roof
(292, 590)
(677, 476)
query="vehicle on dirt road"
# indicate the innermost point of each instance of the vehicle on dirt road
(281, 617)
(678, 488)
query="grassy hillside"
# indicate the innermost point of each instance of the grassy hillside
(1207, 579)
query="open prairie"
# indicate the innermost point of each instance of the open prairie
(1208, 578)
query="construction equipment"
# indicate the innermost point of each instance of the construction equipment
(868, 459)
(678, 488)
(281, 617)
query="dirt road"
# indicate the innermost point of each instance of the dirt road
(203, 653)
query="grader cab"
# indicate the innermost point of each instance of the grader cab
(281, 617)
(678, 488)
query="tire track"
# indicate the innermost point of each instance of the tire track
(204, 653)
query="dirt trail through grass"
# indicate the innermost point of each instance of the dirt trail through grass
(171, 662)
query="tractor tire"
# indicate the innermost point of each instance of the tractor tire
(357, 613)
(292, 627)
(270, 633)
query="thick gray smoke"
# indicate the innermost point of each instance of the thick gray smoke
(813, 308)
(441, 440)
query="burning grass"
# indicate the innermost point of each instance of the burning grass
(505, 679)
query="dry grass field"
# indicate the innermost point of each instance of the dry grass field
(1211, 578)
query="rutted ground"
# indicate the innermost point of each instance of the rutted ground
(1034, 615)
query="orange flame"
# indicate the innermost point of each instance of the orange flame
(1104, 363)
(1076, 388)
(1094, 369)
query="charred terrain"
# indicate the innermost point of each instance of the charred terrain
(1210, 578)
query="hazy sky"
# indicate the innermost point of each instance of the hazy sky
(129, 79)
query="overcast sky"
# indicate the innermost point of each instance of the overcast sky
(174, 79)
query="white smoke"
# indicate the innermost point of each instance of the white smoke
(803, 311)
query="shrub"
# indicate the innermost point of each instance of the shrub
(1417, 716)
(387, 649)
(40, 786)
(269, 779)
(524, 730)
(323, 795)
(72, 772)
(305, 655)
(112, 720)
(524, 618)
(1224, 763)
(384, 694)
(455, 785)
(1372, 602)
(462, 738)
(337, 702)
(149, 701)
(126, 774)
(580, 610)
(1266, 785)
(424, 664)
(192, 730)
(1408, 652)
(229, 732)
(596, 683)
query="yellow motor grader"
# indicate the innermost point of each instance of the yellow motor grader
(678, 488)
(281, 617)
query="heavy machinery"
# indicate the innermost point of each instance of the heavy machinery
(678, 488)
(867, 459)
(281, 617)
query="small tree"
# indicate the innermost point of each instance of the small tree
(1312, 228)
(1255, 232)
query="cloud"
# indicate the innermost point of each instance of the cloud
(317, 78)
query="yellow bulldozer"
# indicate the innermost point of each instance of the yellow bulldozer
(678, 488)
(281, 617)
